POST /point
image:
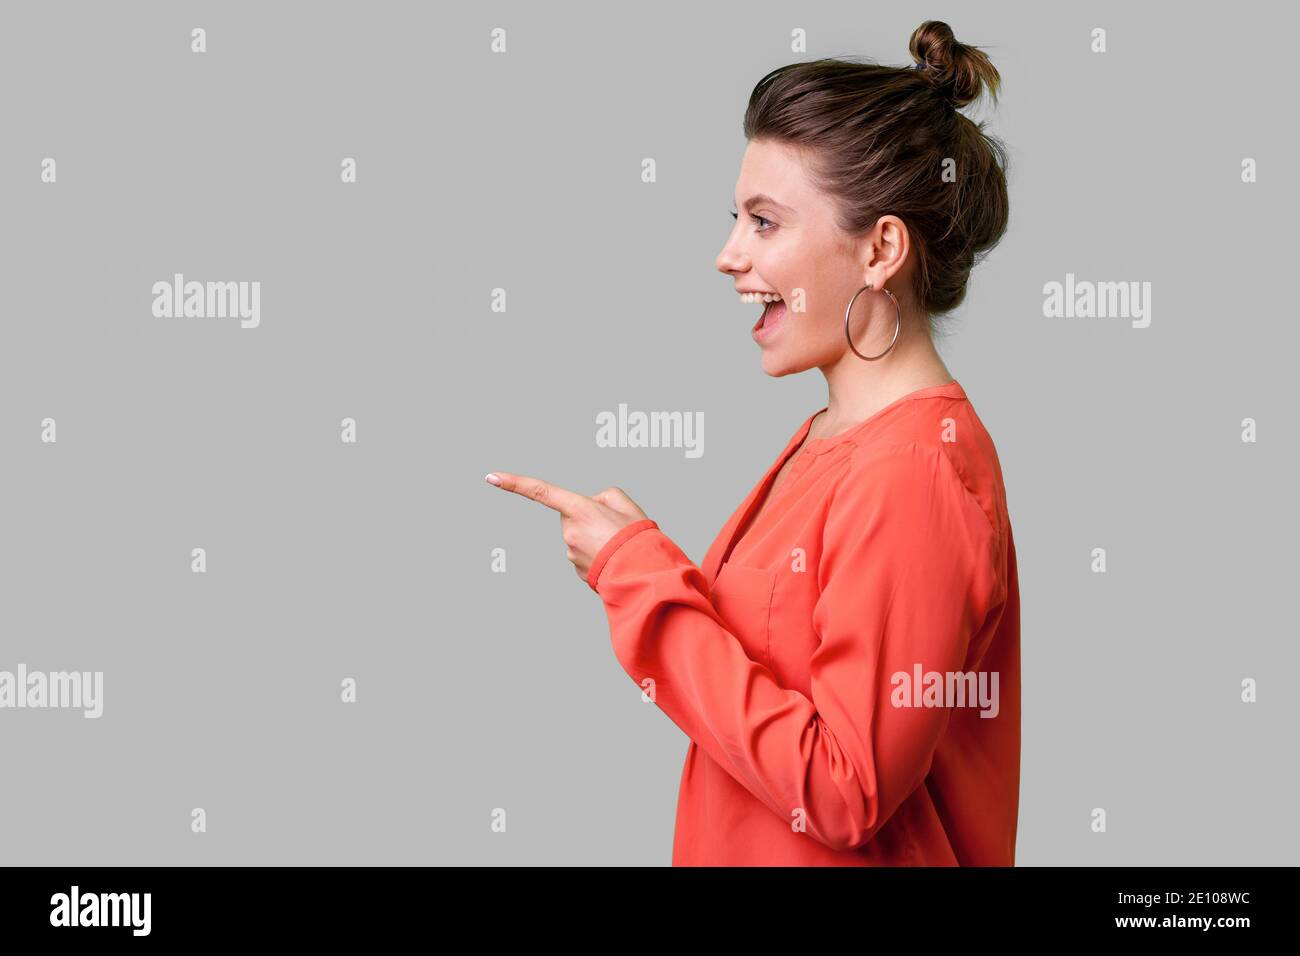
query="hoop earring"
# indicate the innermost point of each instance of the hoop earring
(897, 327)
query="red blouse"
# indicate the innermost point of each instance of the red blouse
(848, 672)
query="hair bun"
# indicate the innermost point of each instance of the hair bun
(959, 72)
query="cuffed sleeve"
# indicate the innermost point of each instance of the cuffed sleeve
(905, 578)
(613, 544)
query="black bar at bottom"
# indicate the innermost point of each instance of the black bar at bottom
(342, 905)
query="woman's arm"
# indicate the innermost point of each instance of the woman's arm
(907, 576)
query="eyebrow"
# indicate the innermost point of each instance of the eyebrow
(762, 199)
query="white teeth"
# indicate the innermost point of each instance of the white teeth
(760, 297)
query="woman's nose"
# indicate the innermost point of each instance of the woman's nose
(730, 260)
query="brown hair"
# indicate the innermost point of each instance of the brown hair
(877, 138)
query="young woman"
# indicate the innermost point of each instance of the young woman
(846, 661)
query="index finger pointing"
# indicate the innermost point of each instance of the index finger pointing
(543, 492)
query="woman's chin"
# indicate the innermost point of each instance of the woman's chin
(774, 365)
(778, 362)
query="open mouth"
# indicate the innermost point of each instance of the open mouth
(772, 315)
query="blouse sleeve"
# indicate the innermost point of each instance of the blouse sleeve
(906, 578)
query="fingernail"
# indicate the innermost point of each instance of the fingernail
(491, 478)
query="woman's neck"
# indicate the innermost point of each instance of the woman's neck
(857, 388)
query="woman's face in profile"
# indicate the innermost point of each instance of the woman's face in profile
(785, 241)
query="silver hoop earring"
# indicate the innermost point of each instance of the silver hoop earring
(897, 327)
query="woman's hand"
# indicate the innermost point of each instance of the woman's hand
(586, 523)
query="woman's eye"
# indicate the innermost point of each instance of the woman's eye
(758, 219)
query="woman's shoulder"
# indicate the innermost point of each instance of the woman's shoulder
(942, 447)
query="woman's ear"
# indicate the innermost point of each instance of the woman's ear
(884, 251)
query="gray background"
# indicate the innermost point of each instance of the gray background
(480, 690)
